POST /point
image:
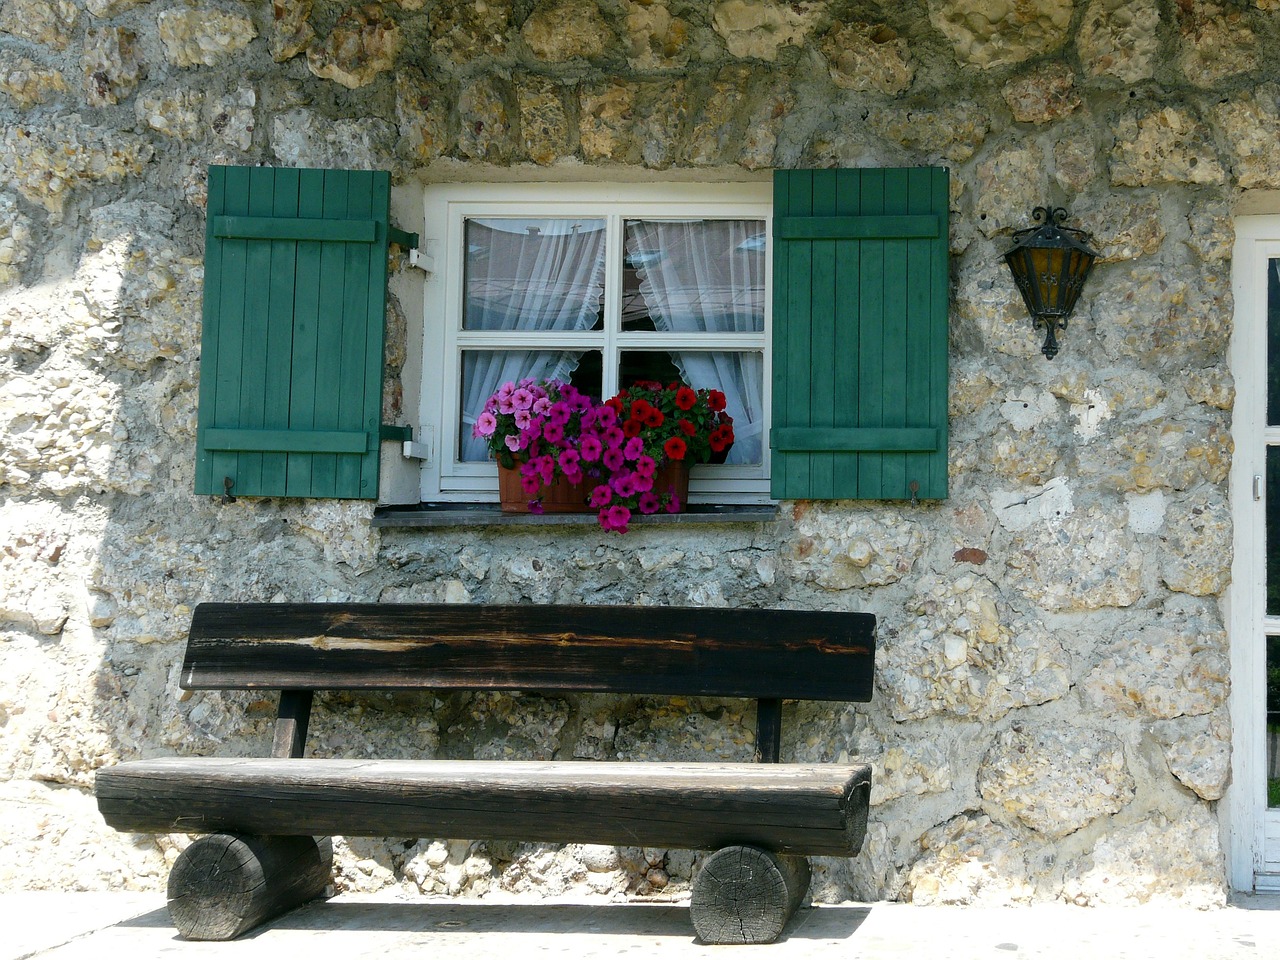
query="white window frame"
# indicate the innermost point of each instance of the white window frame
(447, 206)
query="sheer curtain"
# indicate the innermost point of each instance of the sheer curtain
(525, 275)
(709, 279)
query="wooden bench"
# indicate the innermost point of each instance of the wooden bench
(262, 816)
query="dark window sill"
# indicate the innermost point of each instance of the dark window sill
(490, 515)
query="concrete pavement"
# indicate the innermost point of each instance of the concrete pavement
(78, 926)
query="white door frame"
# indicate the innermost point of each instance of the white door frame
(1245, 818)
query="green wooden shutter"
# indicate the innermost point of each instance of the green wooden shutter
(291, 350)
(860, 285)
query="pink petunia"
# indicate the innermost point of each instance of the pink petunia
(523, 419)
(646, 467)
(486, 423)
(649, 503)
(569, 460)
(591, 448)
(618, 517)
(522, 399)
(553, 432)
(673, 505)
(613, 437)
(612, 459)
(559, 413)
(512, 441)
(633, 449)
(601, 495)
(541, 406)
(606, 416)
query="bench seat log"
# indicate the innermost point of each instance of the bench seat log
(791, 808)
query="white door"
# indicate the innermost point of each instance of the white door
(1253, 806)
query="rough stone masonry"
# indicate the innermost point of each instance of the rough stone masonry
(1050, 720)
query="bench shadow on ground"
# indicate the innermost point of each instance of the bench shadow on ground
(648, 920)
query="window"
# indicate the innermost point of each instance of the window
(599, 285)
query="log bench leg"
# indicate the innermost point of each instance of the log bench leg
(224, 884)
(746, 894)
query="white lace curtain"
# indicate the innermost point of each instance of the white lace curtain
(709, 279)
(523, 275)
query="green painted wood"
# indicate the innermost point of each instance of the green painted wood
(403, 238)
(288, 441)
(259, 227)
(879, 439)
(855, 227)
(862, 292)
(822, 324)
(295, 300)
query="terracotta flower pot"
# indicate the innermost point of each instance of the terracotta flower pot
(560, 497)
(673, 477)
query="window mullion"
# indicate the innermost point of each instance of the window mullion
(612, 303)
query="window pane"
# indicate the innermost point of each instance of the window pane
(1273, 721)
(694, 276)
(738, 375)
(484, 371)
(526, 274)
(1273, 531)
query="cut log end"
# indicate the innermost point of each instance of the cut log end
(224, 885)
(746, 894)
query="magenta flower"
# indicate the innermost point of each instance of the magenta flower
(618, 517)
(530, 483)
(522, 399)
(673, 505)
(559, 413)
(553, 432)
(591, 448)
(613, 437)
(633, 449)
(541, 406)
(649, 502)
(646, 467)
(641, 483)
(600, 496)
(524, 419)
(606, 416)
(569, 460)
(612, 459)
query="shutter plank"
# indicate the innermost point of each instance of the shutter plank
(822, 355)
(939, 339)
(845, 347)
(324, 467)
(212, 307)
(919, 383)
(893, 472)
(870, 334)
(230, 328)
(306, 307)
(279, 346)
(355, 330)
(800, 270)
(253, 359)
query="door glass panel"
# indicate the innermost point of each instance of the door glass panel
(1273, 721)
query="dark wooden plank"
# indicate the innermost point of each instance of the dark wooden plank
(794, 654)
(222, 886)
(790, 808)
(768, 731)
(292, 720)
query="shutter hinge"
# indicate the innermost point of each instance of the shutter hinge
(394, 431)
(410, 243)
(422, 448)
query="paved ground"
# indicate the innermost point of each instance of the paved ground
(135, 926)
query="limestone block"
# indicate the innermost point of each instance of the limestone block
(1171, 860)
(997, 33)
(658, 38)
(1161, 455)
(174, 113)
(1028, 458)
(486, 124)
(466, 30)
(953, 132)
(112, 64)
(341, 528)
(562, 30)
(715, 133)
(989, 315)
(203, 36)
(1085, 560)
(632, 122)
(1250, 123)
(1076, 165)
(965, 653)
(1164, 146)
(15, 240)
(49, 22)
(1165, 318)
(106, 9)
(970, 860)
(1172, 668)
(868, 56)
(301, 138)
(422, 116)
(291, 30)
(47, 162)
(544, 123)
(1216, 42)
(1122, 228)
(1011, 183)
(1214, 388)
(1044, 95)
(1212, 232)
(232, 118)
(1120, 39)
(363, 43)
(604, 113)
(760, 28)
(515, 727)
(27, 82)
(1197, 539)
(837, 551)
(760, 141)
(910, 769)
(1054, 780)
(1198, 751)
(35, 538)
(690, 730)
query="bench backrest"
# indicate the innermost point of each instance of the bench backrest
(792, 654)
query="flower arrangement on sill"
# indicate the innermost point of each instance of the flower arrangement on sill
(618, 449)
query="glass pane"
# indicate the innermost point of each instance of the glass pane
(484, 371)
(1273, 721)
(1273, 342)
(1273, 531)
(523, 274)
(738, 375)
(693, 276)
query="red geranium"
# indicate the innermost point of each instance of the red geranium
(687, 428)
(715, 399)
(654, 418)
(686, 398)
(674, 448)
(632, 427)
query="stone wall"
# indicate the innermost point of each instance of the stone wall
(1050, 717)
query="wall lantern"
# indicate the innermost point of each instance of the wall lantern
(1049, 264)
